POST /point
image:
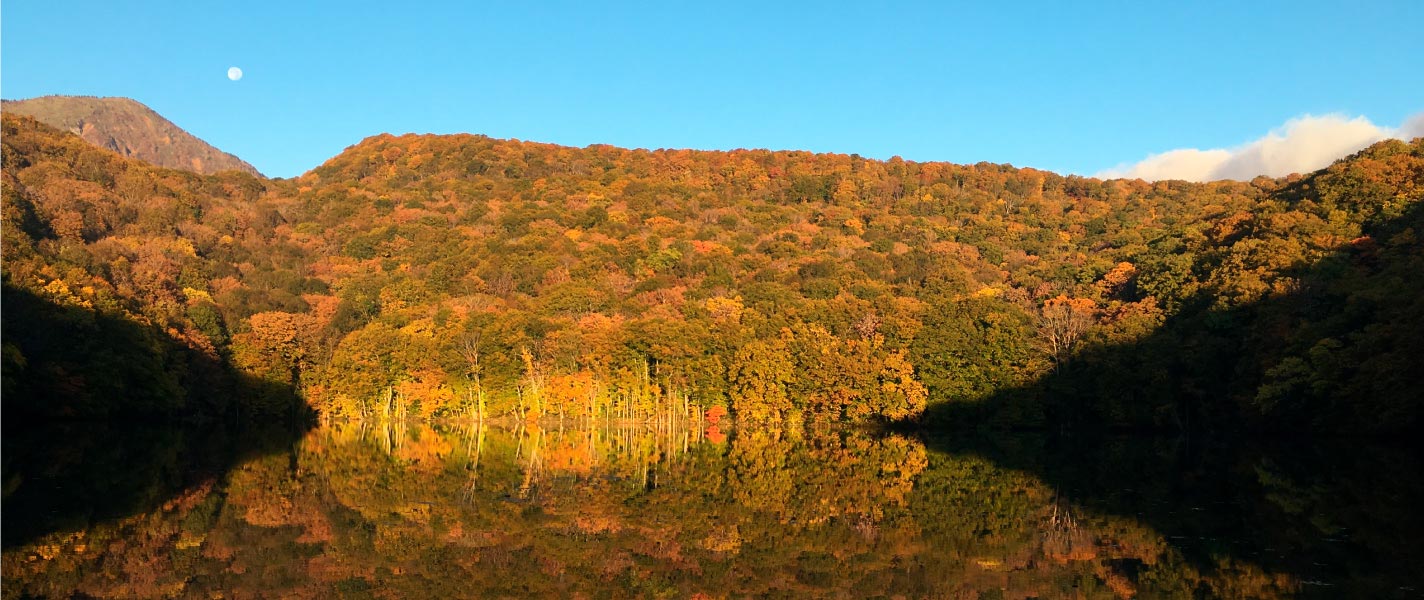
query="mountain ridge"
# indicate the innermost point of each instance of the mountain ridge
(130, 128)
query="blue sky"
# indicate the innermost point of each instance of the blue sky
(1051, 85)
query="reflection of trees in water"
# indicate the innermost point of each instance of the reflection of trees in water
(533, 463)
(475, 510)
(625, 451)
(1156, 516)
(474, 436)
(1063, 539)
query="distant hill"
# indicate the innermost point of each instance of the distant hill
(457, 275)
(131, 129)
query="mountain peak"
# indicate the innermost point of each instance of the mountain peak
(130, 128)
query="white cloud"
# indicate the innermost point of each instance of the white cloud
(1303, 144)
(1188, 163)
(1413, 127)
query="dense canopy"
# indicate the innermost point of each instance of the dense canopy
(463, 275)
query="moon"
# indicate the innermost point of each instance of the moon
(234, 73)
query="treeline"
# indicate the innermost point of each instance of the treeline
(462, 275)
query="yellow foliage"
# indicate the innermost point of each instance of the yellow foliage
(195, 296)
(726, 309)
(60, 291)
(987, 292)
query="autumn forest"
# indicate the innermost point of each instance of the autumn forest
(460, 276)
(458, 366)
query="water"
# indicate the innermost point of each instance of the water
(422, 511)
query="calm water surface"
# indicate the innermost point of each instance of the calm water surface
(421, 511)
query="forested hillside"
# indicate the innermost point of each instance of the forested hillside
(462, 275)
(109, 272)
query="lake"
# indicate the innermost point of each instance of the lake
(456, 510)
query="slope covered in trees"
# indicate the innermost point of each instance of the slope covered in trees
(1302, 314)
(460, 275)
(113, 273)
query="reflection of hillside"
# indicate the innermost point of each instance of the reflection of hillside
(467, 511)
(1337, 519)
(641, 511)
